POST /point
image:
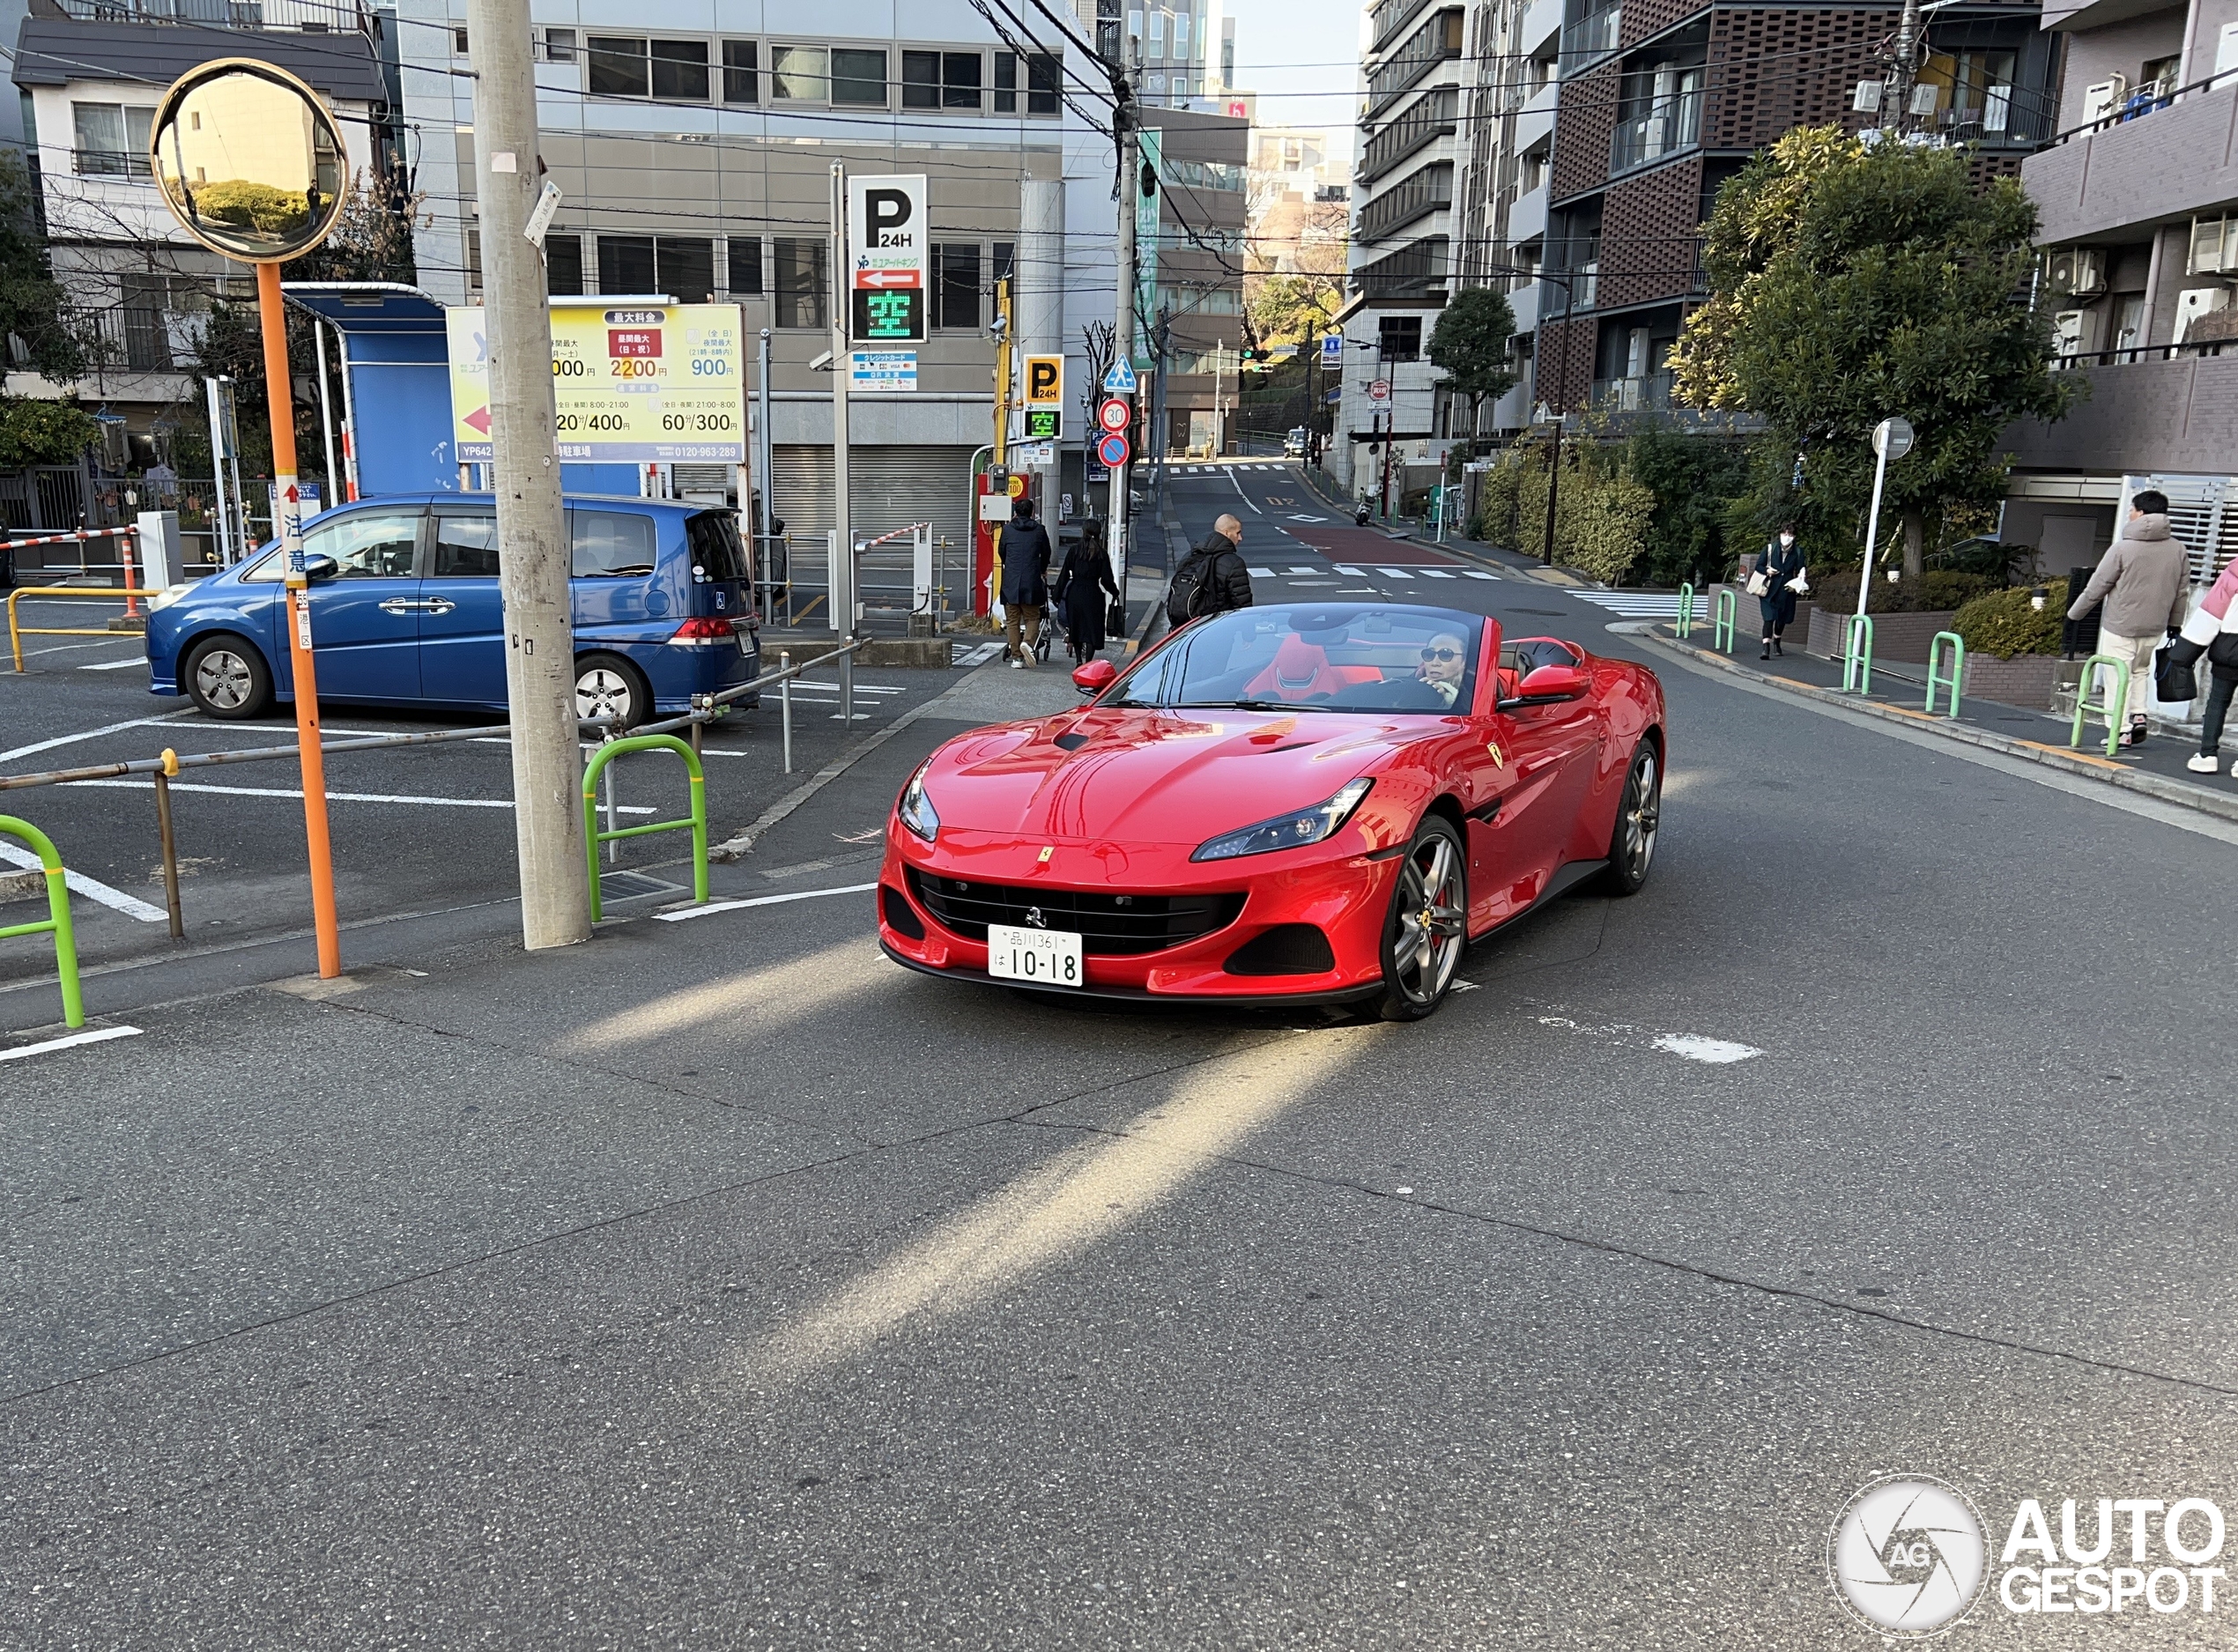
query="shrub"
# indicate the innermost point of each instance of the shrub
(1932, 592)
(1607, 532)
(2003, 625)
(43, 432)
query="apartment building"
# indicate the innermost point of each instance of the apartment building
(1191, 273)
(1662, 101)
(1298, 201)
(88, 91)
(1403, 233)
(2138, 193)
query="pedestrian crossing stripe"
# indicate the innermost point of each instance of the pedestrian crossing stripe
(1260, 573)
(1394, 573)
(1435, 574)
(1477, 574)
(1348, 573)
(1305, 570)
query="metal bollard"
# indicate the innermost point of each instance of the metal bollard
(847, 686)
(170, 843)
(612, 812)
(785, 700)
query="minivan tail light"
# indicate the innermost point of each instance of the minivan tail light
(704, 633)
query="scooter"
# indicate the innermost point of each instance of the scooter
(1359, 515)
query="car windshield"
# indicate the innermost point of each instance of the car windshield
(1326, 657)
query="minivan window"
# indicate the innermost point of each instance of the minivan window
(713, 537)
(372, 545)
(466, 547)
(612, 543)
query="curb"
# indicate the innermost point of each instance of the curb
(2083, 767)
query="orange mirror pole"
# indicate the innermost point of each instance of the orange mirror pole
(287, 528)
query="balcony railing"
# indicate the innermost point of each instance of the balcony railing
(311, 16)
(1592, 38)
(1428, 190)
(1411, 271)
(1674, 124)
(1421, 123)
(1580, 291)
(1389, 18)
(2136, 353)
(1436, 42)
(1643, 392)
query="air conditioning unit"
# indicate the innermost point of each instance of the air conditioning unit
(2214, 245)
(2080, 271)
(2105, 97)
(2193, 303)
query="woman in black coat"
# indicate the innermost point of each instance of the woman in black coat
(1782, 562)
(1080, 593)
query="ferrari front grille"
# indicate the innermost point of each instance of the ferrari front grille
(1109, 925)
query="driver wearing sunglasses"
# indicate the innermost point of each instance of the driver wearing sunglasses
(1443, 665)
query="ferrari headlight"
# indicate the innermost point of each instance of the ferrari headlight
(916, 808)
(1289, 831)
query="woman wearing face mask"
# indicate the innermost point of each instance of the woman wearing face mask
(1780, 566)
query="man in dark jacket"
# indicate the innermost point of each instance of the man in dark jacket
(1026, 582)
(1212, 579)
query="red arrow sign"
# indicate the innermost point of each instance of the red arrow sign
(479, 419)
(886, 278)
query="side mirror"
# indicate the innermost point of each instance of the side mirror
(1093, 677)
(1550, 682)
(318, 566)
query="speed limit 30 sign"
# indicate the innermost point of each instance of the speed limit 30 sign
(1114, 415)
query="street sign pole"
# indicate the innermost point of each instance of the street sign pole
(1891, 439)
(1123, 117)
(534, 555)
(287, 528)
(839, 572)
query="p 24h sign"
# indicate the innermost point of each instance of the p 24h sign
(887, 255)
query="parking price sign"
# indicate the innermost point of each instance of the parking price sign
(644, 385)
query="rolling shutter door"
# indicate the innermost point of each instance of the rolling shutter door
(887, 488)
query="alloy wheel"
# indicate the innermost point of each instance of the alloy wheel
(224, 679)
(603, 692)
(1433, 923)
(1642, 812)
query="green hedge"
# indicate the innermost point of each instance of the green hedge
(2003, 624)
(1932, 592)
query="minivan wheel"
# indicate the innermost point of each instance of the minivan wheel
(228, 679)
(607, 686)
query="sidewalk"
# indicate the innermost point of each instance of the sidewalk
(1899, 695)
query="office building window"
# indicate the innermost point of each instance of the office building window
(625, 264)
(474, 261)
(684, 267)
(560, 46)
(1400, 338)
(458, 41)
(956, 295)
(680, 70)
(563, 265)
(741, 83)
(112, 140)
(1003, 266)
(619, 67)
(1044, 72)
(745, 263)
(804, 282)
(1181, 33)
(799, 73)
(858, 78)
(942, 80)
(1158, 33)
(1005, 83)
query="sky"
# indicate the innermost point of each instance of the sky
(1302, 58)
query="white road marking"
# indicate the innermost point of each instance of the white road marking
(1350, 573)
(1299, 516)
(801, 685)
(1241, 494)
(1394, 573)
(333, 796)
(117, 665)
(981, 654)
(1260, 573)
(1304, 571)
(96, 1035)
(1717, 1051)
(1478, 573)
(92, 888)
(1435, 574)
(91, 734)
(760, 900)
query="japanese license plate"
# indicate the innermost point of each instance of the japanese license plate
(1048, 958)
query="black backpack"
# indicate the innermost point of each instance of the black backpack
(1193, 594)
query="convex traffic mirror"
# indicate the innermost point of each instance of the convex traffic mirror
(250, 160)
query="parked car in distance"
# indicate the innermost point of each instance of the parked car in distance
(1295, 443)
(405, 610)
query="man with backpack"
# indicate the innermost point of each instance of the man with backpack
(1212, 579)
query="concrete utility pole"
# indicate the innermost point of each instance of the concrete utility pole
(1123, 118)
(1000, 461)
(1900, 118)
(535, 558)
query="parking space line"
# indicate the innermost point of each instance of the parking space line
(92, 888)
(93, 734)
(333, 796)
(760, 900)
(115, 665)
(96, 1035)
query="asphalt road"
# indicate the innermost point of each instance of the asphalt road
(719, 1283)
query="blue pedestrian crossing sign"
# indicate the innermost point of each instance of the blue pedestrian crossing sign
(1120, 380)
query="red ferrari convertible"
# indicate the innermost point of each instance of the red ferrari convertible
(1299, 803)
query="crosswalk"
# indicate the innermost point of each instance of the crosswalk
(1637, 604)
(1352, 573)
(1219, 470)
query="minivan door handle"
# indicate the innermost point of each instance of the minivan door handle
(400, 605)
(437, 605)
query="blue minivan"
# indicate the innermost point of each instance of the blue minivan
(405, 610)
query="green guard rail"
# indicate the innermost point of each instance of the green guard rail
(2109, 709)
(1686, 609)
(1956, 671)
(1856, 663)
(58, 923)
(697, 823)
(1721, 634)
